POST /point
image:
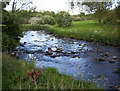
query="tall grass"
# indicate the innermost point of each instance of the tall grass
(14, 72)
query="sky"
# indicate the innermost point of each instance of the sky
(51, 5)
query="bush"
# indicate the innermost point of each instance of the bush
(78, 18)
(39, 15)
(36, 21)
(42, 20)
(49, 20)
(11, 30)
(64, 19)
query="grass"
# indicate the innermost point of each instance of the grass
(89, 31)
(86, 30)
(13, 77)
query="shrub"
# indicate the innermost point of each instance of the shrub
(11, 30)
(64, 19)
(42, 20)
(78, 18)
(36, 21)
(39, 15)
(49, 20)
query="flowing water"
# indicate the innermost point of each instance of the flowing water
(72, 57)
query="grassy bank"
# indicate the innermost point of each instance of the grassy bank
(14, 77)
(29, 27)
(85, 30)
(89, 31)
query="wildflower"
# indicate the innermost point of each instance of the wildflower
(33, 75)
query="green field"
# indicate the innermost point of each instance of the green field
(14, 77)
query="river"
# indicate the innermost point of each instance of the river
(72, 57)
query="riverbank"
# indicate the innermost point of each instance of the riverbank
(83, 30)
(14, 76)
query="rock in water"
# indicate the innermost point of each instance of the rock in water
(112, 61)
(58, 50)
(49, 49)
(107, 53)
(72, 52)
(48, 53)
(101, 59)
(53, 55)
(114, 57)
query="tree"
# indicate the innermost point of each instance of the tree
(117, 11)
(20, 4)
(99, 8)
(111, 18)
(10, 30)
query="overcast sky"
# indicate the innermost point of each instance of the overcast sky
(51, 5)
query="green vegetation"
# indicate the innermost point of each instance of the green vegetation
(14, 77)
(86, 30)
(10, 31)
(30, 27)
(64, 19)
(81, 26)
(39, 19)
(89, 31)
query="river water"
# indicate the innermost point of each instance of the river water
(76, 57)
